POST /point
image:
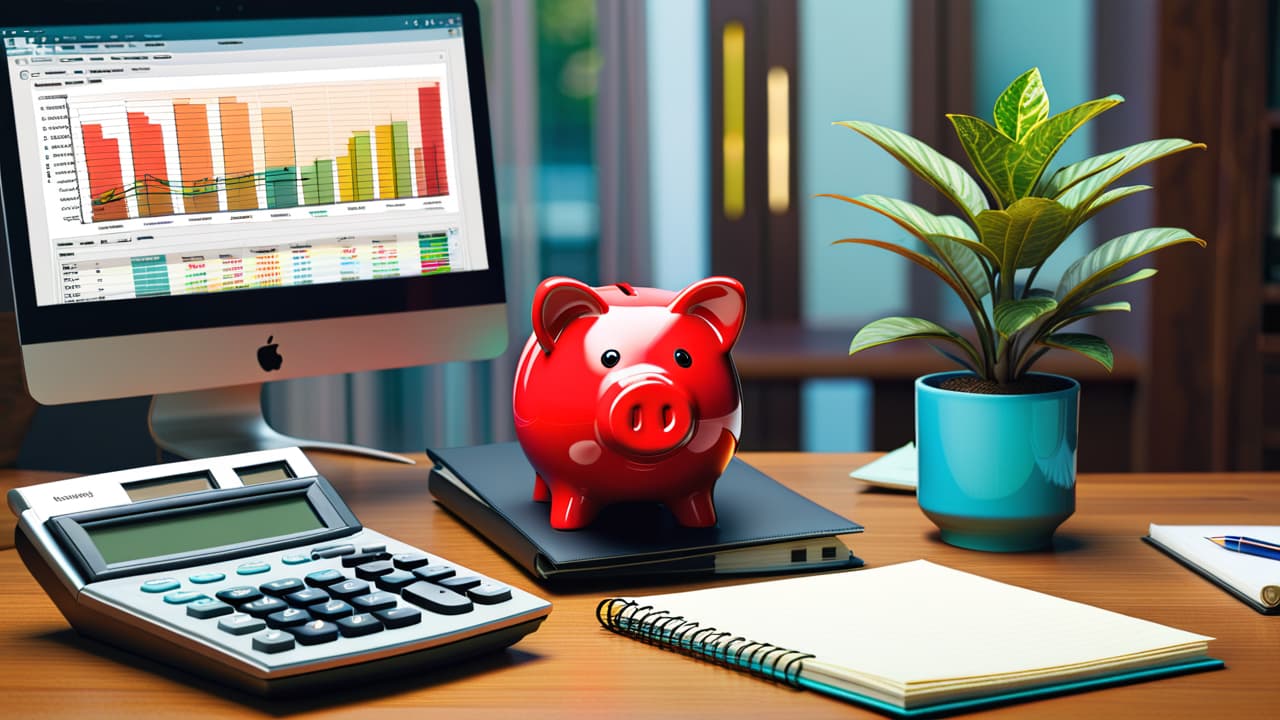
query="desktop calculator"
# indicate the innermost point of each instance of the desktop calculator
(250, 568)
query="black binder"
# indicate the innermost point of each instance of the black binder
(762, 526)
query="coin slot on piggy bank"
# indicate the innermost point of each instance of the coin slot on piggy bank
(628, 394)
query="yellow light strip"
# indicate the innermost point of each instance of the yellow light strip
(734, 140)
(779, 99)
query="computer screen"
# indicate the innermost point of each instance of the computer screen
(200, 197)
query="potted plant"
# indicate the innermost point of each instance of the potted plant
(997, 442)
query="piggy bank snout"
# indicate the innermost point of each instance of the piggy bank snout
(649, 415)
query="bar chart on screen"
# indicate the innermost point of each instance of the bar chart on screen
(321, 139)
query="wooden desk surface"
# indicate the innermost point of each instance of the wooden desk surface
(572, 668)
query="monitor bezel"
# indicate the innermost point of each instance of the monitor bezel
(114, 318)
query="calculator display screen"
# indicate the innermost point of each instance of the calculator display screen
(187, 532)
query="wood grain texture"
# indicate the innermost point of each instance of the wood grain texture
(572, 668)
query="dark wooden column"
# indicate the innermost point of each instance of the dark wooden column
(756, 240)
(1202, 395)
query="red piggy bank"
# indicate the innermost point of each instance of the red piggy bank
(627, 393)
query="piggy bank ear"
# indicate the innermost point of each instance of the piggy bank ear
(720, 301)
(559, 300)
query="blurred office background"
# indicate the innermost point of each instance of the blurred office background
(659, 141)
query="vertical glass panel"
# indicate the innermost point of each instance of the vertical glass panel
(568, 70)
(846, 284)
(679, 150)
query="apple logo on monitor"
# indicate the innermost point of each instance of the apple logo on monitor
(268, 357)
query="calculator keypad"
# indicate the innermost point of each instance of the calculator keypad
(347, 598)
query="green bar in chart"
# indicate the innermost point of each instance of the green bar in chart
(361, 155)
(317, 183)
(400, 148)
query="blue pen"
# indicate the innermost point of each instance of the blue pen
(1248, 546)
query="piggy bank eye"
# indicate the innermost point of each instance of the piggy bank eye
(683, 358)
(610, 358)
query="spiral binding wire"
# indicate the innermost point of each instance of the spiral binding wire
(673, 632)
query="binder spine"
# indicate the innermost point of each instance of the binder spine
(674, 632)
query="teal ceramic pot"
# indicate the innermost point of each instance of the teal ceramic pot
(997, 472)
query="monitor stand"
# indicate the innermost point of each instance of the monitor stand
(205, 423)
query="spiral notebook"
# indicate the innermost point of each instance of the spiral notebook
(911, 639)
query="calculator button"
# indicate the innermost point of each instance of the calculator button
(207, 577)
(364, 557)
(460, 583)
(331, 610)
(273, 641)
(410, 561)
(263, 607)
(303, 598)
(374, 601)
(288, 618)
(399, 617)
(489, 593)
(295, 559)
(206, 608)
(283, 586)
(331, 551)
(315, 632)
(322, 578)
(359, 625)
(182, 597)
(239, 595)
(159, 585)
(373, 548)
(396, 579)
(254, 567)
(435, 573)
(373, 570)
(348, 589)
(240, 624)
(436, 599)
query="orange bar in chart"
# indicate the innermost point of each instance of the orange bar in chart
(151, 176)
(237, 155)
(195, 157)
(106, 185)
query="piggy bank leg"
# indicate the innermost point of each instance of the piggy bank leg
(541, 493)
(570, 510)
(695, 510)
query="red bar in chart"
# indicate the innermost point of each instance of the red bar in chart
(151, 176)
(106, 185)
(429, 117)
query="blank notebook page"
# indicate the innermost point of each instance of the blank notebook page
(917, 622)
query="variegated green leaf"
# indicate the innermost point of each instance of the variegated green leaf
(1014, 315)
(1142, 274)
(1022, 105)
(919, 259)
(892, 329)
(1090, 346)
(973, 245)
(1086, 312)
(991, 153)
(1093, 269)
(1111, 197)
(1024, 234)
(1065, 177)
(936, 232)
(934, 168)
(1135, 156)
(1044, 140)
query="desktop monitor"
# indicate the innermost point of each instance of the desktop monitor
(200, 197)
